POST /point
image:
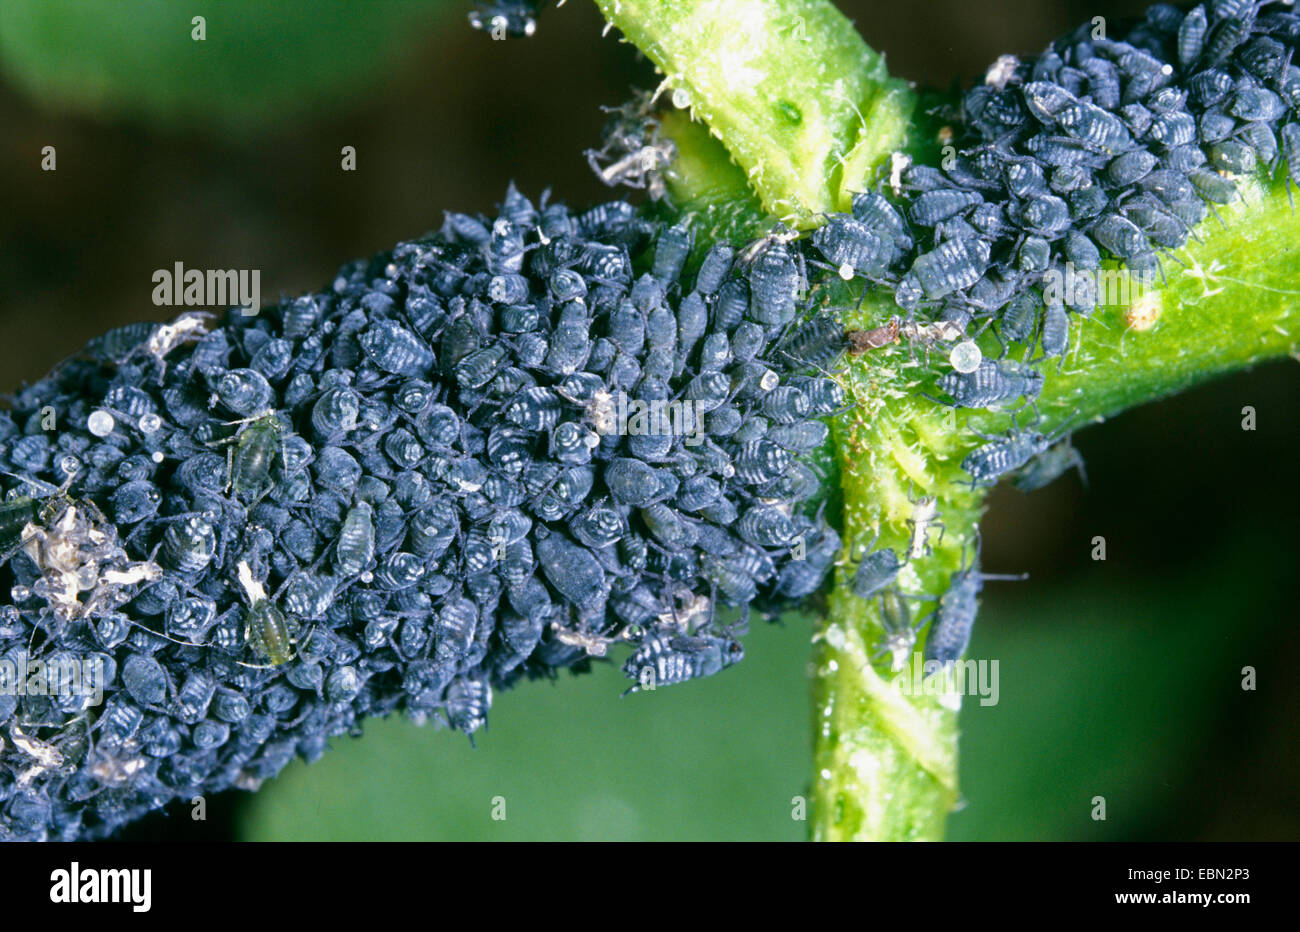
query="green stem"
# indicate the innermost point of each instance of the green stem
(773, 80)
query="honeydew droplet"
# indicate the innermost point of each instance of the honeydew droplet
(965, 356)
(681, 98)
(846, 272)
(100, 423)
(149, 423)
(157, 456)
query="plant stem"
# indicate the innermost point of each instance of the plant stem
(886, 740)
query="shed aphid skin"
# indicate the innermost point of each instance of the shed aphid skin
(899, 639)
(924, 519)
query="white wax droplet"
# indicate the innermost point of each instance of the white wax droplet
(681, 98)
(149, 423)
(846, 272)
(100, 423)
(965, 356)
(157, 456)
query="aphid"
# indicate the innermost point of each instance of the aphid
(336, 412)
(145, 680)
(954, 265)
(761, 461)
(785, 405)
(1049, 466)
(852, 248)
(254, 452)
(950, 634)
(1034, 255)
(572, 571)
(1191, 36)
(991, 383)
(467, 703)
(882, 217)
(732, 302)
(671, 251)
(801, 437)
(931, 207)
(663, 660)
(355, 550)
(1094, 127)
(876, 570)
(1130, 167)
(266, 629)
(1213, 186)
(1232, 157)
(1120, 236)
(1020, 316)
(1290, 136)
(567, 285)
(394, 349)
(1210, 87)
(775, 281)
(1004, 454)
(189, 545)
(1045, 100)
(815, 342)
(244, 391)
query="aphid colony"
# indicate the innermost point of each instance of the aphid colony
(403, 493)
(413, 488)
(1100, 146)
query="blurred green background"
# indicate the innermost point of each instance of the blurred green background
(1119, 679)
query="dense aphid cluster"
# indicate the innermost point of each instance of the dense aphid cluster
(1099, 147)
(500, 450)
(489, 454)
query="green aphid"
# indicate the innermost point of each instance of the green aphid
(266, 629)
(253, 454)
(269, 633)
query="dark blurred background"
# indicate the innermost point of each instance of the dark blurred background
(1118, 679)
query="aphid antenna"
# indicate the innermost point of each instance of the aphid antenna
(165, 637)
